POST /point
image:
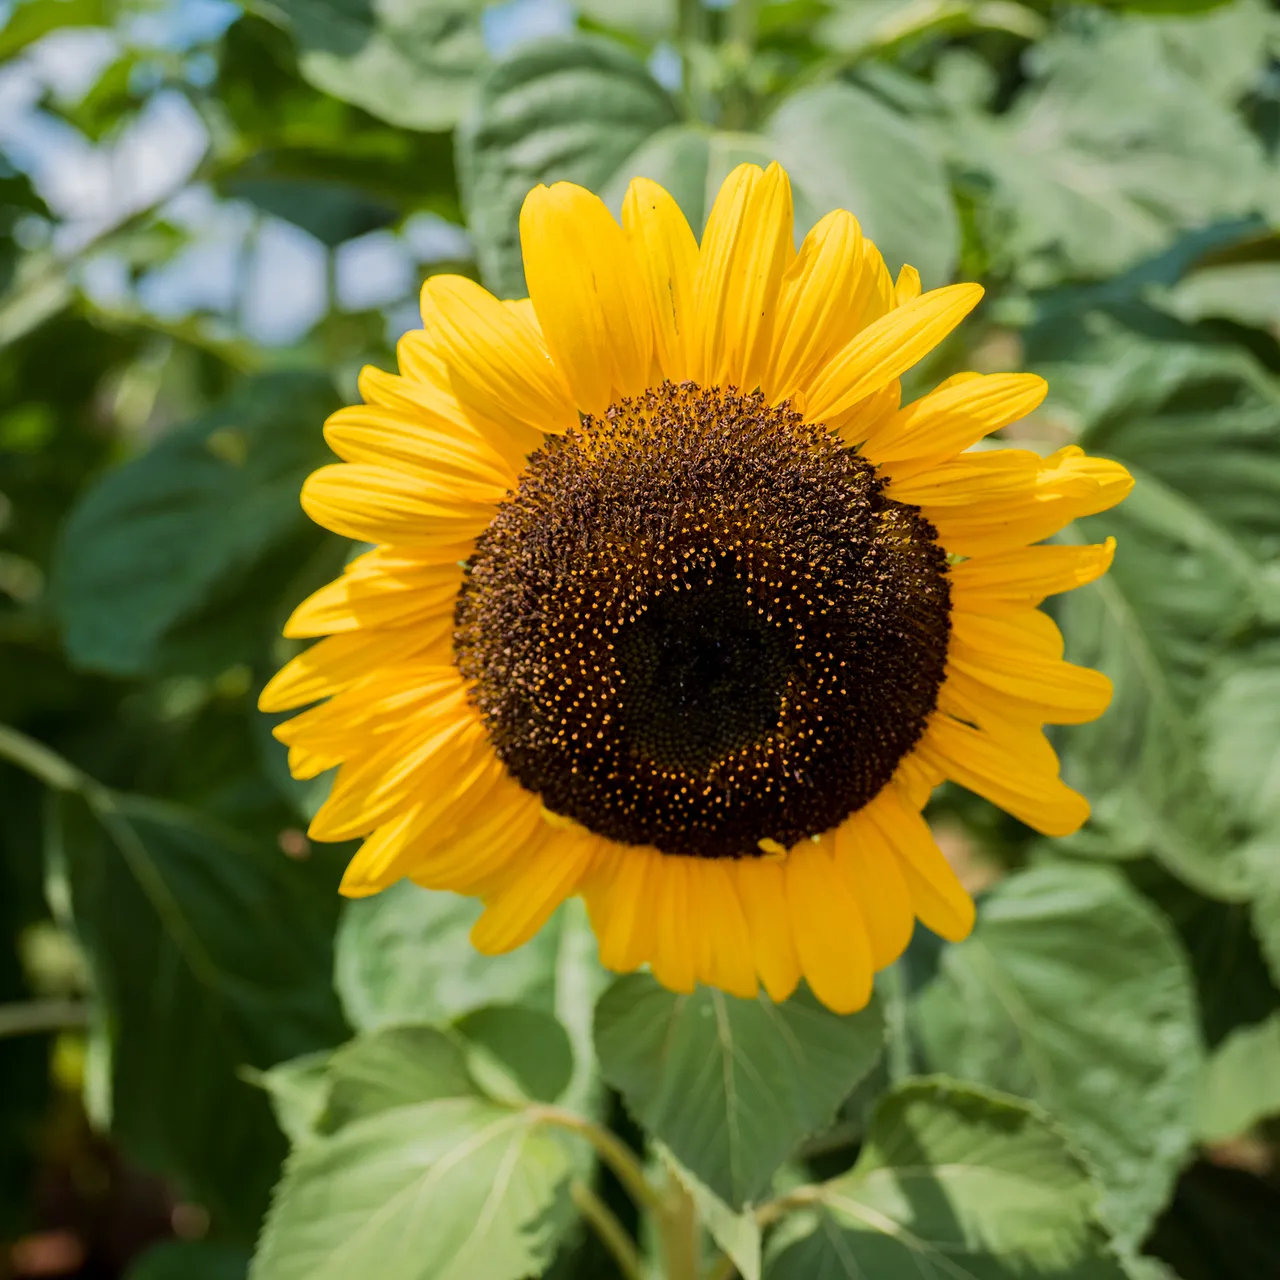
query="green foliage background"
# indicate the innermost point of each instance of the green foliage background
(1087, 1089)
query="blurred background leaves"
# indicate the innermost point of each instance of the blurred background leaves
(211, 215)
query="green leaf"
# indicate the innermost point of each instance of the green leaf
(393, 1067)
(169, 561)
(731, 1086)
(1242, 1084)
(1113, 146)
(446, 1190)
(330, 211)
(299, 1090)
(690, 162)
(952, 1182)
(568, 109)
(410, 62)
(1196, 575)
(206, 954)
(190, 1260)
(404, 955)
(1073, 991)
(844, 150)
(30, 20)
(529, 1049)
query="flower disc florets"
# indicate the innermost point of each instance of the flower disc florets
(699, 624)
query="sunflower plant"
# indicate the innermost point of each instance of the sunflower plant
(723, 725)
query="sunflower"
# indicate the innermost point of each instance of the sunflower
(674, 606)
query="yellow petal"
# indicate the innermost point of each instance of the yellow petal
(828, 930)
(746, 248)
(404, 506)
(667, 253)
(537, 887)
(387, 781)
(372, 433)
(988, 476)
(672, 957)
(620, 896)
(952, 418)
(874, 874)
(763, 892)
(1017, 773)
(1029, 574)
(822, 297)
(938, 898)
(907, 286)
(495, 361)
(589, 294)
(426, 389)
(731, 967)
(1067, 485)
(888, 348)
(335, 663)
(378, 589)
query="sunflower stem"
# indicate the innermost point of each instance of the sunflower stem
(616, 1154)
(611, 1232)
(689, 32)
(680, 1233)
(32, 1017)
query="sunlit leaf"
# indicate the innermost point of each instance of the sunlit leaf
(568, 109)
(412, 62)
(954, 1182)
(1074, 992)
(452, 1189)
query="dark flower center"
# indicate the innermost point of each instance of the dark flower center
(699, 624)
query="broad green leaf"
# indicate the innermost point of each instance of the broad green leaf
(866, 26)
(1111, 148)
(206, 954)
(452, 1189)
(731, 1086)
(190, 1260)
(844, 150)
(404, 955)
(953, 1182)
(393, 1067)
(1248, 293)
(648, 19)
(1073, 991)
(171, 560)
(690, 162)
(527, 1050)
(1196, 575)
(568, 109)
(299, 1091)
(410, 62)
(330, 211)
(1242, 1083)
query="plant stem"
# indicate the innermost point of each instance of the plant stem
(681, 1237)
(615, 1153)
(688, 34)
(34, 1016)
(608, 1228)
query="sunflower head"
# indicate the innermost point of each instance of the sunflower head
(675, 606)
